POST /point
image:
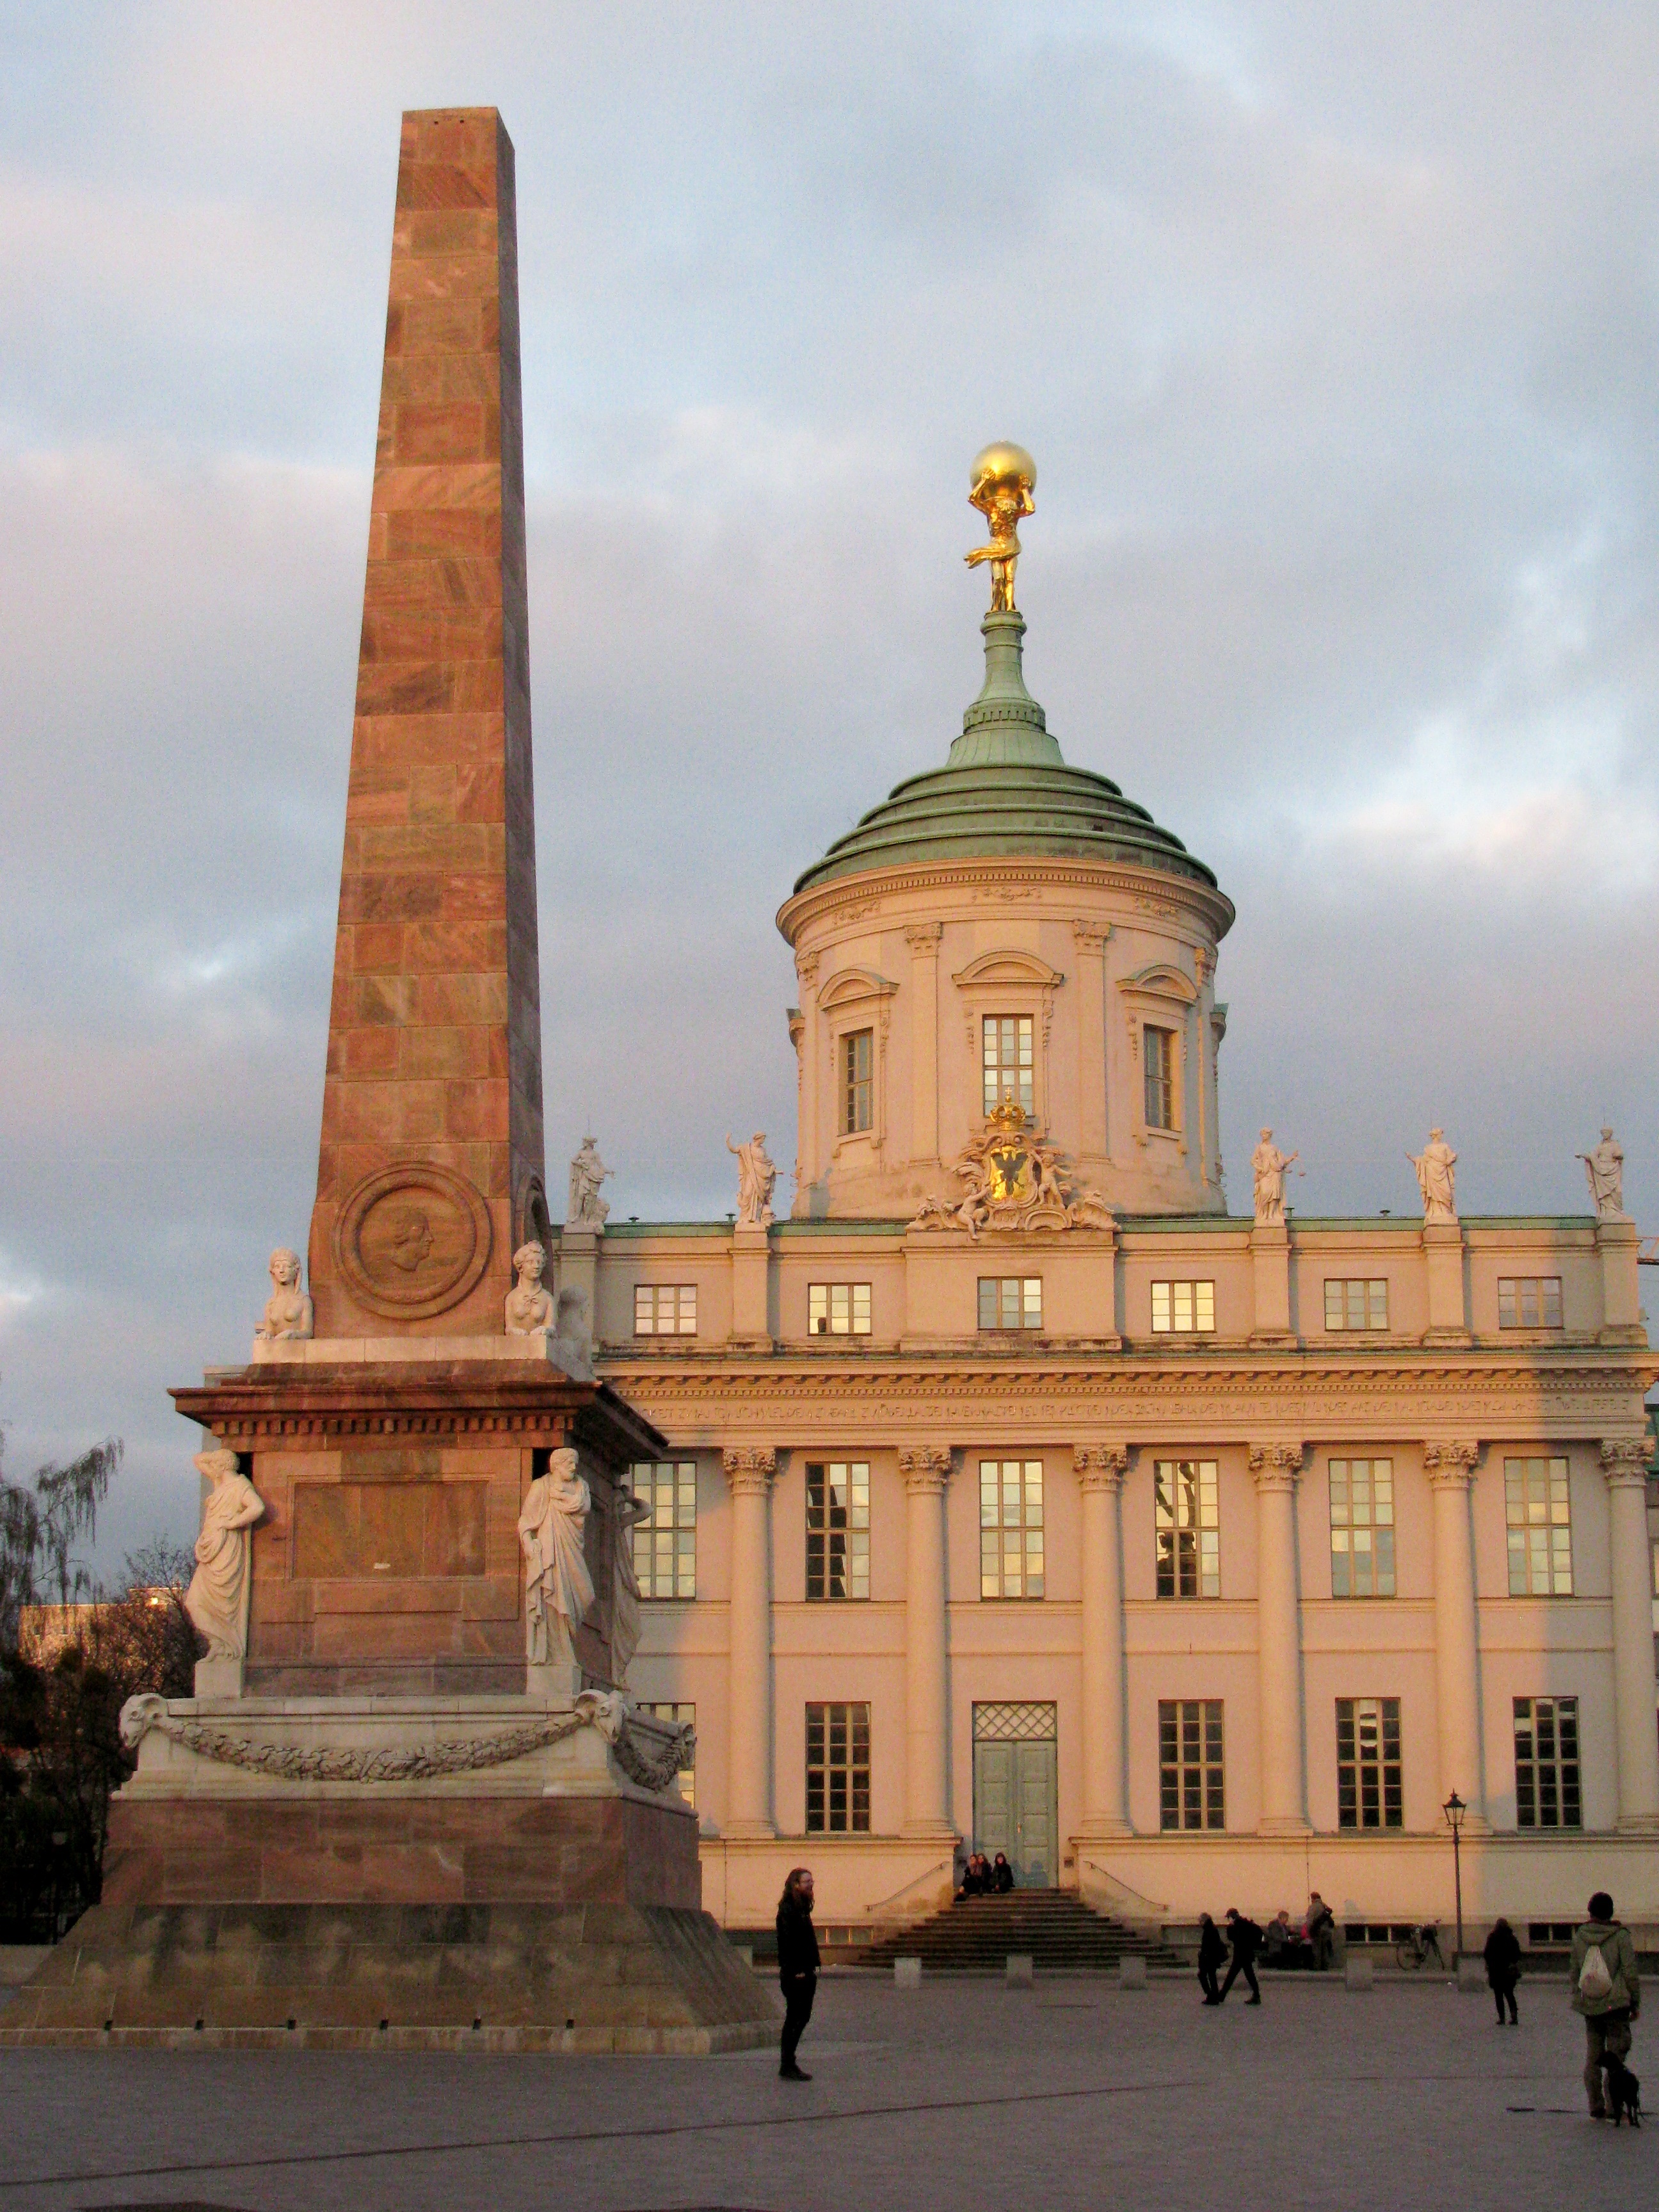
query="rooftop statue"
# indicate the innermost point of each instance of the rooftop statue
(586, 1209)
(1435, 1166)
(1005, 477)
(1269, 1166)
(1605, 1170)
(757, 1178)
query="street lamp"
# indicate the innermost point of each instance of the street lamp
(1454, 1808)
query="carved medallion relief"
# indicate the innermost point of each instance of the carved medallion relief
(412, 1240)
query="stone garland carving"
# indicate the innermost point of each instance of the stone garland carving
(1604, 1170)
(585, 1208)
(1437, 1177)
(217, 1600)
(1015, 1181)
(1269, 1167)
(757, 1179)
(289, 1316)
(653, 1768)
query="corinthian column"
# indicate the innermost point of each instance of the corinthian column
(750, 1470)
(1450, 1468)
(1625, 1465)
(926, 1472)
(1100, 1471)
(1277, 1469)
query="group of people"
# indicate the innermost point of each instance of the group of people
(983, 1877)
(1281, 1943)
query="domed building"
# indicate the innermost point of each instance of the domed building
(1021, 1497)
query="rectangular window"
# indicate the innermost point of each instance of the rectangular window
(838, 1529)
(1010, 1301)
(665, 1538)
(837, 1770)
(1537, 1508)
(1007, 1042)
(1011, 1527)
(1368, 1763)
(1356, 1302)
(1191, 1786)
(1183, 1309)
(1187, 1512)
(685, 1717)
(857, 1090)
(838, 1309)
(1529, 1301)
(1546, 1763)
(1362, 1528)
(665, 1308)
(1157, 1051)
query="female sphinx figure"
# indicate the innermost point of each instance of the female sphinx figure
(287, 1313)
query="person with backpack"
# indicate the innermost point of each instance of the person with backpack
(1608, 1993)
(1246, 1942)
(1502, 1958)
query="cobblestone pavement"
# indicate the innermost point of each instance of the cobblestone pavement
(964, 2095)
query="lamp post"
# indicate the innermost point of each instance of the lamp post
(1454, 1808)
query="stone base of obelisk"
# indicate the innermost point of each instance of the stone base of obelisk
(481, 1873)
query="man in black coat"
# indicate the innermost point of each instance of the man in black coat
(798, 1966)
(1246, 1942)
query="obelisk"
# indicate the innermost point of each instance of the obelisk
(430, 1167)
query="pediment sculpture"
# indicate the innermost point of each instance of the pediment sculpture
(1015, 1180)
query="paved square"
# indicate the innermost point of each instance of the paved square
(963, 2095)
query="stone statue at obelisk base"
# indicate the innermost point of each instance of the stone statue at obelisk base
(414, 1570)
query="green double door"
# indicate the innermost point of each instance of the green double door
(1016, 1793)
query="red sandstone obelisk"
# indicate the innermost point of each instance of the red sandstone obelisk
(430, 1167)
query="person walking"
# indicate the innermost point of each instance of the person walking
(1245, 1942)
(1608, 1993)
(797, 1966)
(1502, 1958)
(1321, 1930)
(1211, 1953)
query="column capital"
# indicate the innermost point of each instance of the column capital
(1277, 1467)
(925, 1466)
(1100, 1467)
(807, 968)
(923, 936)
(1090, 936)
(1450, 1466)
(750, 1468)
(1624, 1461)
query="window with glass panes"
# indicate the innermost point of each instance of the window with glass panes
(1529, 1301)
(665, 1537)
(1368, 1793)
(837, 1770)
(1010, 1301)
(1356, 1302)
(1157, 1059)
(1546, 1763)
(1186, 1516)
(1183, 1309)
(1011, 1527)
(1538, 1508)
(857, 1084)
(1005, 1044)
(1362, 1528)
(683, 1717)
(838, 1529)
(665, 1308)
(838, 1309)
(1192, 1791)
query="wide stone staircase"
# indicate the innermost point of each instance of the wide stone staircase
(1054, 1927)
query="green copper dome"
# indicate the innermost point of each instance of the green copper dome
(1004, 788)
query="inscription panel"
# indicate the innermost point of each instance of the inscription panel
(397, 1531)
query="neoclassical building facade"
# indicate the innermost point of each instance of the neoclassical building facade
(1018, 1493)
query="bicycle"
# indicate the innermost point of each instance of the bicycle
(1423, 1944)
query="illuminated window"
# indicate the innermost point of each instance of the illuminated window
(665, 1540)
(1192, 1792)
(665, 1308)
(1006, 1045)
(837, 1770)
(1356, 1302)
(1546, 1763)
(1010, 1301)
(838, 1529)
(1538, 1508)
(1157, 1055)
(1529, 1301)
(1362, 1528)
(683, 1717)
(1368, 1763)
(838, 1310)
(1187, 1515)
(856, 1091)
(1183, 1309)
(1011, 1527)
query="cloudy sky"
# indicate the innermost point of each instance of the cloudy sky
(1335, 332)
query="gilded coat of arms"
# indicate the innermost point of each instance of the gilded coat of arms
(1015, 1180)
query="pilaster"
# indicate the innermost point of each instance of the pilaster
(1090, 937)
(1450, 1468)
(1617, 1242)
(1443, 1254)
(1270, 1269)
(1100, 1469)
(751, 1269)
(750, 1470)
(925, 1469)
(1623, 1463)
(923, 938)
